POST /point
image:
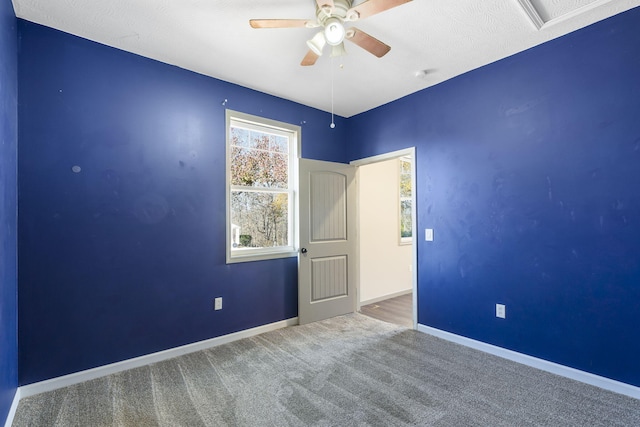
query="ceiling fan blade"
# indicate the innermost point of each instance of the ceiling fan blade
(371, 7)
(367, 42)
(281, 23)
(309, 59)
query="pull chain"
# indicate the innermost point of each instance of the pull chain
(332, 125)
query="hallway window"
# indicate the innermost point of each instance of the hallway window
(261, 183)
(405, 191)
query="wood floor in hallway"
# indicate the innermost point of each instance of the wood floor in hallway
(398, 310)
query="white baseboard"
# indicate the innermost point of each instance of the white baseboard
(13, 408)
(388, 296)
(100, 371)
(544, 365)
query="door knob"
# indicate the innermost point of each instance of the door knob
(303, 250)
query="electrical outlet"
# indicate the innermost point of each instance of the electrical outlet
(217, 303)
(501, 311)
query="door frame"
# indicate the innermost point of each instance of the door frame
(407, 152)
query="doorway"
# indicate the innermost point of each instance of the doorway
(386, 247)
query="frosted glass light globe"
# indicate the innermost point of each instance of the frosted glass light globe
(334, 32)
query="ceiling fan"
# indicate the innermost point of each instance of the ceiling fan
(331, 16)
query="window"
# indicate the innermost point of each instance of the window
(261, 183)
(406, 229)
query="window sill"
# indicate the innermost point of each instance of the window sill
(249, 257)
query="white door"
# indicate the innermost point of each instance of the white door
(327, 261)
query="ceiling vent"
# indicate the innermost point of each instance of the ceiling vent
(544, 13)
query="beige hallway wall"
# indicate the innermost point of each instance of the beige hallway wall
(385, 265)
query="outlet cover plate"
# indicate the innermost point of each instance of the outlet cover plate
(428, 234)
(501, 311)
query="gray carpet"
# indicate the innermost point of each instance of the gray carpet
(347, 371)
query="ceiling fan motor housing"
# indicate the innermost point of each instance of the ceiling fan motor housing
(339, 11)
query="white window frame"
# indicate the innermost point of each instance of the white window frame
(294, 133)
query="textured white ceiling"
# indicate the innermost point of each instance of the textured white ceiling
(213, 37)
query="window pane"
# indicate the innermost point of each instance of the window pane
(239, 137)
(259, 168)
(405, 167)
(405, 185)
(259, 220)
(259, 140)
(280, 144)
(405, 218)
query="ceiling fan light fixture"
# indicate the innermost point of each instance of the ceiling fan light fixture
(338, 50)
(331, 16)
(317, 43)
(334, 31)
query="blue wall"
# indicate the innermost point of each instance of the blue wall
(528, 169)
(125, 257)
(8, 207)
